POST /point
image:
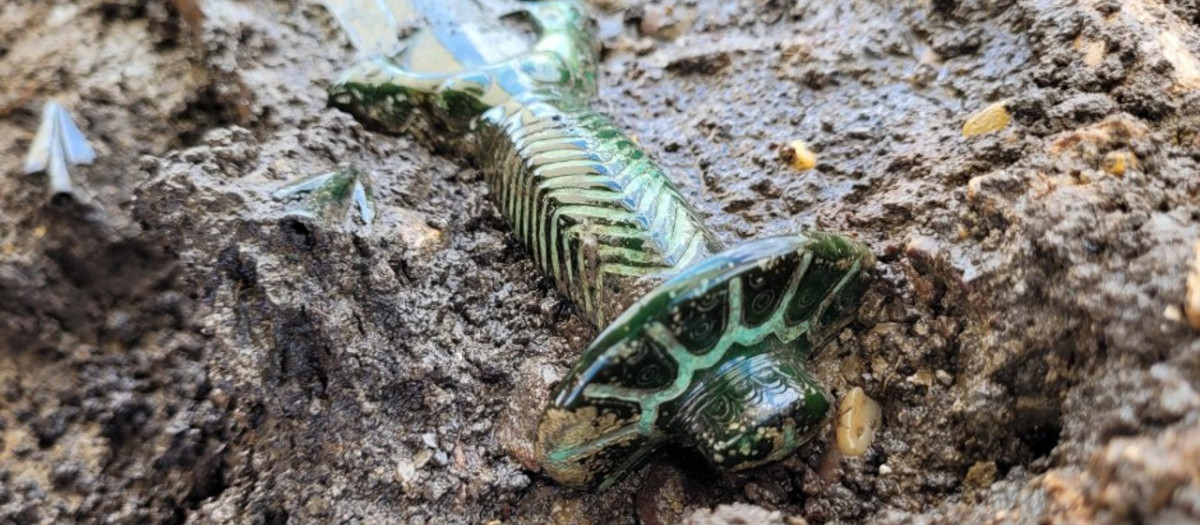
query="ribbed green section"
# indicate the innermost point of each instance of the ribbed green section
(596, 213)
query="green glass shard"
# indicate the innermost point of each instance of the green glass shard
(328, 196)
(58, 145)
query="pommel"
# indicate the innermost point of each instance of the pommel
(713, 359)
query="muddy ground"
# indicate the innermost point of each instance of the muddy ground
(177, 348)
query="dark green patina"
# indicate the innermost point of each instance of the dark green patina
(701, 346)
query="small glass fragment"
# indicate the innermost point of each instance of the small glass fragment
(332, 193)
(58, 145)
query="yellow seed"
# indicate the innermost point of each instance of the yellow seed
(859, 418)
(799, 156)
(1117, 162)
(1191, 308)
(993, 118)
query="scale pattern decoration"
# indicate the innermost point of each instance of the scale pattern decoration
(700, 346)
(596, 213)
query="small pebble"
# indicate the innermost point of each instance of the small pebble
(981, 475)
(992, 118)
(944, 377)
(1173, 313)
(922, 247)
(609, 6)
(191, 11)
(665, 23)
(798, 156)
(859, 417)
(1093, 51)
(1191, 308)
(421, 459)
(662, 497)
(406, 471)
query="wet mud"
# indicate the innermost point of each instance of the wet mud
(176, 346)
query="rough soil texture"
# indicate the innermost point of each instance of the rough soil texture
(178, 348)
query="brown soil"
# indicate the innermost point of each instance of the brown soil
(176, 347)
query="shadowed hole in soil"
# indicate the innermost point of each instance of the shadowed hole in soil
(1042, 437)
(297, 234)
(208, 110)
(303, 354)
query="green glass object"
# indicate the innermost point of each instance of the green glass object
(328, 196)
(58, 145)
(700, 345)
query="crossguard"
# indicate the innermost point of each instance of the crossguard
(561, 63)
(713, 358)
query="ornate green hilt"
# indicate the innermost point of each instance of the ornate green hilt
(700, 346)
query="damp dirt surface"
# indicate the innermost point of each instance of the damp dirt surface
(178, 346)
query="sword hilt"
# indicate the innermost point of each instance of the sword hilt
(704, 348)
